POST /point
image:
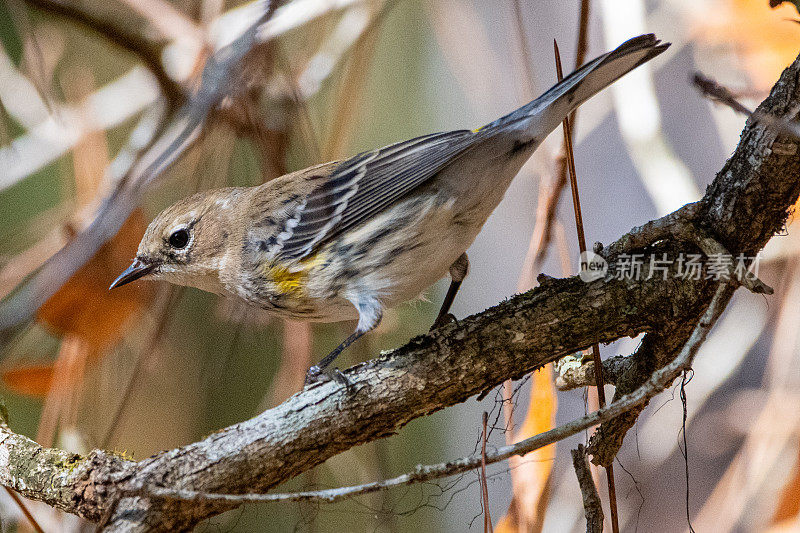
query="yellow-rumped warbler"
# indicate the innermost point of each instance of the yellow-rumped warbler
(345, 240)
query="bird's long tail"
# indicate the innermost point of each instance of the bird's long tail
(549, 110)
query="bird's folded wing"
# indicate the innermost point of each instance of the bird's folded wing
(363, 186)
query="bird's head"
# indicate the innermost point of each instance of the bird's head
(187, 242)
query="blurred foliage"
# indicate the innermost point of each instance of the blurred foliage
(209, 370)
(9, 36)
(765, 40)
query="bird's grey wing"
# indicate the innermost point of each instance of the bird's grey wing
(363, 186)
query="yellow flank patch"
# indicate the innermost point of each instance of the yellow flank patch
(291, 280)
(286, 281)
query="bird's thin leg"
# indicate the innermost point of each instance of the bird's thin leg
(444, 315)
(369, 316)
(458, 271)
(331, 357)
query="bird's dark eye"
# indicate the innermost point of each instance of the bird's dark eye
(179, 238)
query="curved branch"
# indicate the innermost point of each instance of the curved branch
(92, 486)
(659, 381)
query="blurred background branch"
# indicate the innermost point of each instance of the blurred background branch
(122, 29)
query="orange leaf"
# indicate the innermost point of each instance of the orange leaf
(33, 380)
(84, 306)
(531, 473)
(765, 39)
(789, 504)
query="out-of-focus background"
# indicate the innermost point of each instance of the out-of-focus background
(149, 367)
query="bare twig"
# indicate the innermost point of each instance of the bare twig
(487, 518)
(681, 225)
(592, 507)
(713, 90)
(598, 362)
(573, 178)
(549, 196)
(582, 45)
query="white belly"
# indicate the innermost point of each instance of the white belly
(397, 255)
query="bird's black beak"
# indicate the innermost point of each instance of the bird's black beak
(139, 268)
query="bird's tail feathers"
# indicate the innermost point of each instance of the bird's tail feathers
(551, 107)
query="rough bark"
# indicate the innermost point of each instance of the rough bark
(747, 203)
(592, 507)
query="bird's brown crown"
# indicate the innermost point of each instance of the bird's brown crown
(186, 243)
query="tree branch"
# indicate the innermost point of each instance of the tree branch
(592, 507)
(658, 382)
(94, 486)
(742, 192)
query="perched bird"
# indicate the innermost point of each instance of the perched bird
(347, 239)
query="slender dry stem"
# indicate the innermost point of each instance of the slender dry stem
(487, 518)
(592, 507)
(598, 362)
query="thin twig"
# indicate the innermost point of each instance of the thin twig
(658, 381)
(713, 90)
(583, 37)
(592, 507)
(598, 362)
(717, 92)
(548, 198)
(487, 519)
(685, 450)
(573, 178)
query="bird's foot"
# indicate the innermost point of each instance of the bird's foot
(316, 374)
(443, 320)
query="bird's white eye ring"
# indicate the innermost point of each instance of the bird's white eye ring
(179, 238)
